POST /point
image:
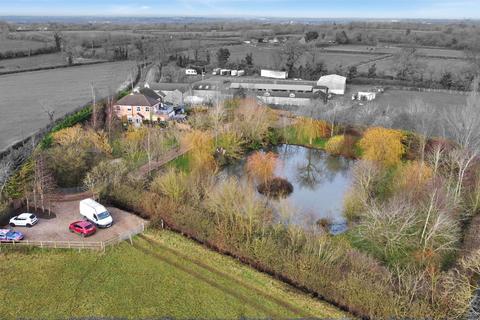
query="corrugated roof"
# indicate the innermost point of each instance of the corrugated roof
(137, 99)
(271, 86)
(168, 86)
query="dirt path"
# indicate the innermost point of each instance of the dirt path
(164, 258)
(221, 274)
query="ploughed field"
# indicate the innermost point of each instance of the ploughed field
(161, 274)
(26, 96)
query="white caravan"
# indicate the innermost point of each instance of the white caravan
(96, 213)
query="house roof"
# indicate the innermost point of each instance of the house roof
(152, 94)
(333, 82)
(137, 99)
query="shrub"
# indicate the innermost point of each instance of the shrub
(334, 145)
(172, 184)
(202, 149)
(261, 166)
(276, 187)
(382, 145)
(341, 145)
(310, 129)
(411, 177)
(230, 145)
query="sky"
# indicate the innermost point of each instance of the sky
(431, 9)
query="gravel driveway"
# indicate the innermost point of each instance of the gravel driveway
(56, 229)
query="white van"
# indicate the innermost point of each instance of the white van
(95, 213)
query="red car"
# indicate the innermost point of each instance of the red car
(83, 227)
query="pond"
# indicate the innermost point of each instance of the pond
(319, 181)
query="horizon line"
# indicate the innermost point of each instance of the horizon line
(226, 16)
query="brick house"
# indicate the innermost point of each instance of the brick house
(138, 107)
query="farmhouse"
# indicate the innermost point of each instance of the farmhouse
(336, 84)
(138, 107)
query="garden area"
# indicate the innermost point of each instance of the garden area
(370, 219)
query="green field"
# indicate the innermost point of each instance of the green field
(162, 274)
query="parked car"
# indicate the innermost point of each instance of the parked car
(24, 220)
(8, 235)
(83, 228)
(96, 213)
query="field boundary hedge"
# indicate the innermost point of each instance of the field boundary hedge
(54, 67)
(27, 53)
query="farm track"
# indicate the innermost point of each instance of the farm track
(171, 261)
(219, 274)
(376, 59)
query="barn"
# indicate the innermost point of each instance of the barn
(336, 84)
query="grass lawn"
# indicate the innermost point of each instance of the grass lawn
(162, 274)
(181, 163)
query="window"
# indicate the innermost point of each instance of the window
(129, 108)
(118, 108)
(139, 109)
(147, 109)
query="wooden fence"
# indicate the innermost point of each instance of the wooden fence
(80, 245)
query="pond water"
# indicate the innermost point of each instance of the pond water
(319, 181)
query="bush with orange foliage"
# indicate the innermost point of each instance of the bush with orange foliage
(261, 166)
(383, 145)
(311, 129)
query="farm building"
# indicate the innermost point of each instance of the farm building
(289, 99)
(207, 92)
(174, 93)
(336, 84)
(274, 74)
(137, 108)
(364, 96)
(284, 93)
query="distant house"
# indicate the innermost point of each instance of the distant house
(336, 84)
(138, 107)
